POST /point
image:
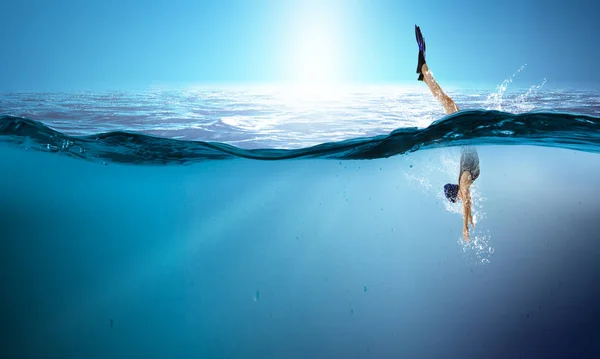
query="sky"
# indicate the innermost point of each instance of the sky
(85, 45)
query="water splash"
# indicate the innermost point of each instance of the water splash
(523, 103)
(495, 100)
(478, 250)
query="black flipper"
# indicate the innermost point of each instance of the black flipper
(421, 43)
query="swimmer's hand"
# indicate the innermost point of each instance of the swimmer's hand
(466, 233)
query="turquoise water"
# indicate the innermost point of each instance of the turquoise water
(108, 253)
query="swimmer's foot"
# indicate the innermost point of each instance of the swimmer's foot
(421, 43)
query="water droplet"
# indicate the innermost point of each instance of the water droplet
(51, 148)
(66, 144)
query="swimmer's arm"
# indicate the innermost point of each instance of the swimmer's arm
(465, 223)
(465, 184)
(469, 208)
(468, 181)
(471, 216)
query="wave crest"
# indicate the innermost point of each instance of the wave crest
(474, 127)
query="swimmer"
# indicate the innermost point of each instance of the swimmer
(469, 159)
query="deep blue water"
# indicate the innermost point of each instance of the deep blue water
(343, 250)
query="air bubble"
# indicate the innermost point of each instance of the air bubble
(256, 296)
(66, 144)
(51, 148)
(491, 250)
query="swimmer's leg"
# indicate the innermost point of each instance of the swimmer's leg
(447, 102)
(426, 76)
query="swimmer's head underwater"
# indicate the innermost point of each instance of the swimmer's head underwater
(451, 192)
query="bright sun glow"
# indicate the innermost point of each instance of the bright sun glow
(315, 51)
(316, 57)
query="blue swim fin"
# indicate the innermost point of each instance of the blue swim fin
(421, 43)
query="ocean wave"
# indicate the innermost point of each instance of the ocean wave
(282, 117)
(473, 127)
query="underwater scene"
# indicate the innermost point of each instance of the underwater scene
(228, 217)
(149, 243)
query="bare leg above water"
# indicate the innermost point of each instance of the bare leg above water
(436, 90)
(426, 76)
